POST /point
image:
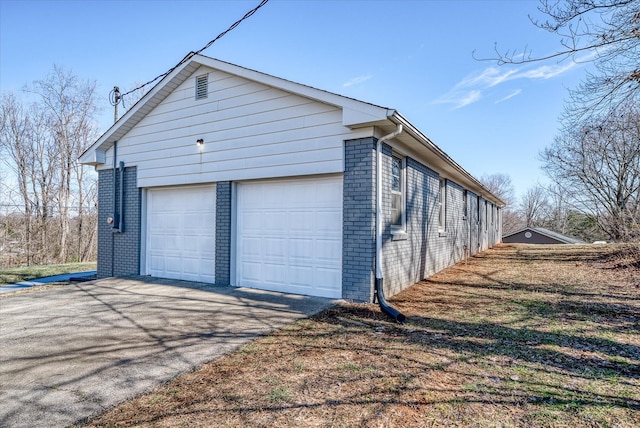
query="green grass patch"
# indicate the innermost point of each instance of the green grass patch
(27, 273)
(279, 394)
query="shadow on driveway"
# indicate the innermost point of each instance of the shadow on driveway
(69, 353)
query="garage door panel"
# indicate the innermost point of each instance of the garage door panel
(192, 267)
(275, 273)
(290, 236)
(181, 233)
(301, 277)
(326, 250)
(252, 272)
(325, 276)
(250, 247)
(272, 222)
(274, 248)
(173, 264)
(301, 250)
(300, 221)
(326, 219)
(158, 262)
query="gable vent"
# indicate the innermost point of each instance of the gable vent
(202, 86)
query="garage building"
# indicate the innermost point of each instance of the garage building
(225, 175)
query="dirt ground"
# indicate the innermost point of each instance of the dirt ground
(516, 336)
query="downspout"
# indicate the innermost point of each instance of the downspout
(118, 217)
(121, 200)
(116, 221)
(114, 218)
(379, 292)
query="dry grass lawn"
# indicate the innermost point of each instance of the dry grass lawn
(527, 336)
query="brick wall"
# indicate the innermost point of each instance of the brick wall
(118, 253)
(223, 233)
(406, 256)
(423, 250)
(359, 222)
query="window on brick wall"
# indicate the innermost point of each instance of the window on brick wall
(442, 206)
(465, 204)
(493, 214)
(486, 215)
(398, 186)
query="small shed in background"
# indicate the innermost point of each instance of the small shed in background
(538, 235)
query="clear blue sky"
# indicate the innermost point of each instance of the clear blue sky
(414, 56)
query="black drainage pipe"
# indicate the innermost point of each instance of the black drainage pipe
(385, 306)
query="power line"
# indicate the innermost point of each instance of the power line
(191, 54)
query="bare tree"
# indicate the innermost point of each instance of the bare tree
(597, 167)
(42, 175)
(500, 185)
(604, 32)
(71, 106)
(559, 209)
(17, 155)
(39, 145)
(534, 206)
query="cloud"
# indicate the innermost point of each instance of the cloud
(546, 71)
(472, 87)
(460, 99)
(357, 80)
(488, 78)
(511, 95)
(470, 98)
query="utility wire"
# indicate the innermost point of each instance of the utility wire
(191, 54)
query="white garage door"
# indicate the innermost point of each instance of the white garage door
(181, 228)
(290, 236)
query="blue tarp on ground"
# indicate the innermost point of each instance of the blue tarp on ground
(45, 280)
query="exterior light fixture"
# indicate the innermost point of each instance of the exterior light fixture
(200, 142)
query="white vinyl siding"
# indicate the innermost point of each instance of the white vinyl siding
(250, 131)
(289, 236)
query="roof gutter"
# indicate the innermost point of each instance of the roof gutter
(416, 133)
(379, 292)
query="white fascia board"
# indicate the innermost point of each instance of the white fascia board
(93, 157)
(364, 115)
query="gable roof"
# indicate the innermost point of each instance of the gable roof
(355, 114)
(548, 233)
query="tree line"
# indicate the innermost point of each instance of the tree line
(593, 164)
(47, 200)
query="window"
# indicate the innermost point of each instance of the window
(465, 204)
(397, 192)
(442, 205)
(493, 214)
(486, 215)
(202, 86)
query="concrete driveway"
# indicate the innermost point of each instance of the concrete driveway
(70, 352)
